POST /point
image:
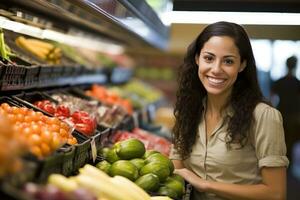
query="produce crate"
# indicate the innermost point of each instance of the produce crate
(82, 151)
(13, 77)
(45, 76)
(27, 99)
(68, 160)
(32, 76)
(49, 165)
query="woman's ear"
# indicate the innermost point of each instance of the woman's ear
(243, 66)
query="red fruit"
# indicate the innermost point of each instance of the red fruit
(62, 110)
(39, 104)
(49, 108)
(77, 115)
(84, 128)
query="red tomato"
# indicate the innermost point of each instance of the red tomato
(84, 128)
(49, 108)
(62, 110)
(77, 115)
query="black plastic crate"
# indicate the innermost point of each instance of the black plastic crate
(13, 77)
(49, 165)
(27, 99)
(104, 138)
(45, 75)
(82, 151)
(68, 160)
(32, 76)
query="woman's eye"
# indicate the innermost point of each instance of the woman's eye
(228, 62)
(208, 58)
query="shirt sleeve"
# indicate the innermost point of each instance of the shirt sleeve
(174, 155)
(269, 139)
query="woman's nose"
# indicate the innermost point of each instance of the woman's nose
(217, 67)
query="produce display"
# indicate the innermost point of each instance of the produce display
(43, 50)
(81, 120)
(12, 147)
(150, 170)
(41, 133)
(134, 167)
(104, 115)
(110, 98)
(150, 141)
(91, 183)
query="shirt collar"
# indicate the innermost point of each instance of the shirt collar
(227, 112)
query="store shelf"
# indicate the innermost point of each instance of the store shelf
(116, 21)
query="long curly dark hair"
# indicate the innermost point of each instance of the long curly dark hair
(245, 95)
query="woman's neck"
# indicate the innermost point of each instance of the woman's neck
(216, 104)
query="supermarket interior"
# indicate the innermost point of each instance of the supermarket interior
(88, 90)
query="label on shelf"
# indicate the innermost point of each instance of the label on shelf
(94, 149)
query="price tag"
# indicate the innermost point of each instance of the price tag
(94, 149)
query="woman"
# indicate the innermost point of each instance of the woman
(228, 143)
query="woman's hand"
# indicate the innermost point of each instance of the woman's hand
(192, 178)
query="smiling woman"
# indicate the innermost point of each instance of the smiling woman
(228, 142)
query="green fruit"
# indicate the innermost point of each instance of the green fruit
(124, 168)
(129, 149)
(149, 153)
(159, 169)
(111, 156)
(158, 157)
(178, 178)
(165, 191)
(148, 182)
(138, 162)
(103, 151)
(104, 166)
(175, 185)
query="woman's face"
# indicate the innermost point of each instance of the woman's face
(219, 64)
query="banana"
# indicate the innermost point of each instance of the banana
(41, 44)
(126, 190)
(160, 198)
(62, 182)
(132, 187)
(39, 52)
(94, 172)
(100, 187)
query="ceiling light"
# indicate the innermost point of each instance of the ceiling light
(251, 18)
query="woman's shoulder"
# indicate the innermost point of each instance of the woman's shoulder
(265, 109)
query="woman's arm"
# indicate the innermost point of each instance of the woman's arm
(273, 186)
(178, 164)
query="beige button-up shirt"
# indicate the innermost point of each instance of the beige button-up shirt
(212, 160)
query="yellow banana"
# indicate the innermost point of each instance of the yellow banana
(94, 172)
(132, 187)
(126, 190)
(39, 52)
(100, 187)
(41, 44)
(62, 182)
(160, 198)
